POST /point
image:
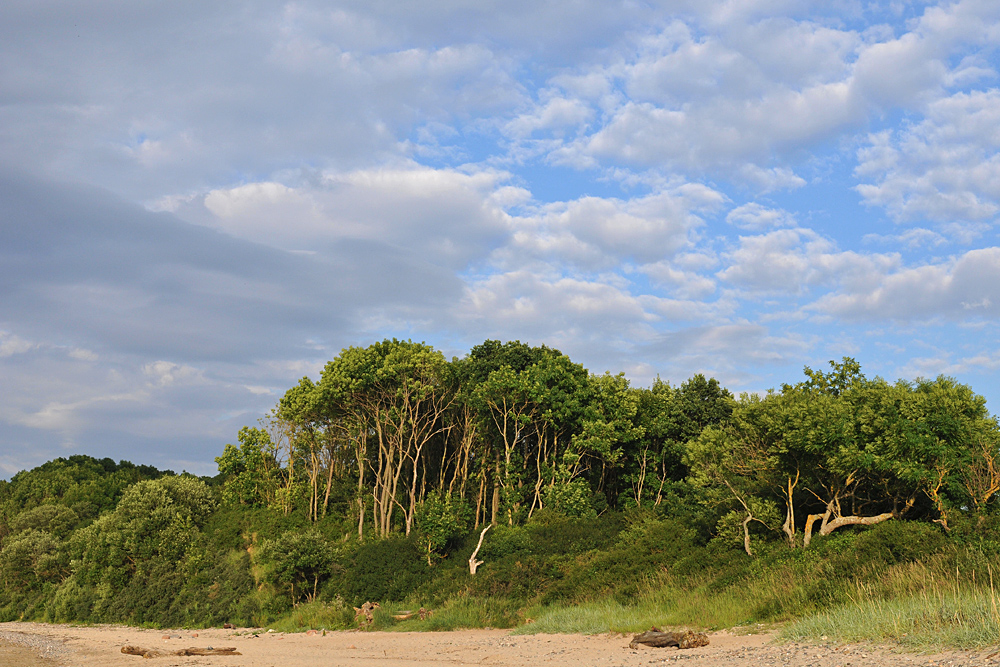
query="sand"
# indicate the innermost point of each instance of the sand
(42, 645)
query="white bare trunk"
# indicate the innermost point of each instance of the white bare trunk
(473, 563)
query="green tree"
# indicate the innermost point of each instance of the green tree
(156, 520)
(249, 470)
(297, 563)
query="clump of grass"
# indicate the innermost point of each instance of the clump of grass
(945, 613)
(661, 604)
(468, 612)
(316, 615)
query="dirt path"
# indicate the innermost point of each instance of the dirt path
(71, 646)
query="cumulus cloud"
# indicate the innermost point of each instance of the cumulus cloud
(754, 216)
(733, 101)
(943, 169)
(736, 352)
(600, 233)
(448, 217)
(11, 344)
(590, 175)
(794, 260)
(964, 287)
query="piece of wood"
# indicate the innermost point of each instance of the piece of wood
(193, 650)
(229, 650)
(657, 639)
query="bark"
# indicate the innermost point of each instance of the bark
(828, 524)
(855, 520)
(810, 520)
(981, 478)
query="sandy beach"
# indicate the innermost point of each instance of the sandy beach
(42, 645)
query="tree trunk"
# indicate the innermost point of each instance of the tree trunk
(789, 526)
(473, 563)
(854, 521)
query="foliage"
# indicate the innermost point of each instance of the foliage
(297, 562)
(249, 470)
(441, 518)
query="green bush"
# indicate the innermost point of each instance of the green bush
(379, 570)
(297, 563)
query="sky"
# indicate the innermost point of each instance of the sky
(202, 202)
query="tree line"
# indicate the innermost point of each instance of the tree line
(393, 436)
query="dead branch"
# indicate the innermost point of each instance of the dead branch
(473, 563)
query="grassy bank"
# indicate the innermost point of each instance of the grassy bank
(903, 583)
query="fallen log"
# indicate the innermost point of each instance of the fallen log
(657, 639)
(193, 650)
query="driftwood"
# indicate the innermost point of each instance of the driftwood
(152, 653)
(365, 614)
(423, 614)
(657, 639)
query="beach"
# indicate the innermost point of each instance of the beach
(45, 645)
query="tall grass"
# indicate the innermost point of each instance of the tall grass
(916, 607)
(671, 602)
(314, 616)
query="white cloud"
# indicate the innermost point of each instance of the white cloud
(769, 180)
(557, 115)
(684, 284)
(795, 260)
(732, 101)
(964, 287)
(728, 351)
(944, 169)
(600, 233)
(166, 373)
(754, 216)
(369, 169)
(11, 344)
(446, 216)
(81, 354)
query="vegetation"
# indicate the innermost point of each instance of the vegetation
(845, 505)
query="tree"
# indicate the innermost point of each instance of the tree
(297, 563)
(249, 470)
(156, 520)
(395, 393)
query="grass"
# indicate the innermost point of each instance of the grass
(660, 604)
(315, 616)
(468, 612)
(946, 612)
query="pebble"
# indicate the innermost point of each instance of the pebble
(45, 648)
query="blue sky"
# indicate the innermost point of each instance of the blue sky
(202, 202)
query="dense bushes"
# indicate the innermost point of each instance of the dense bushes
(169, 554)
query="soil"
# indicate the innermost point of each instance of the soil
(42, 645)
